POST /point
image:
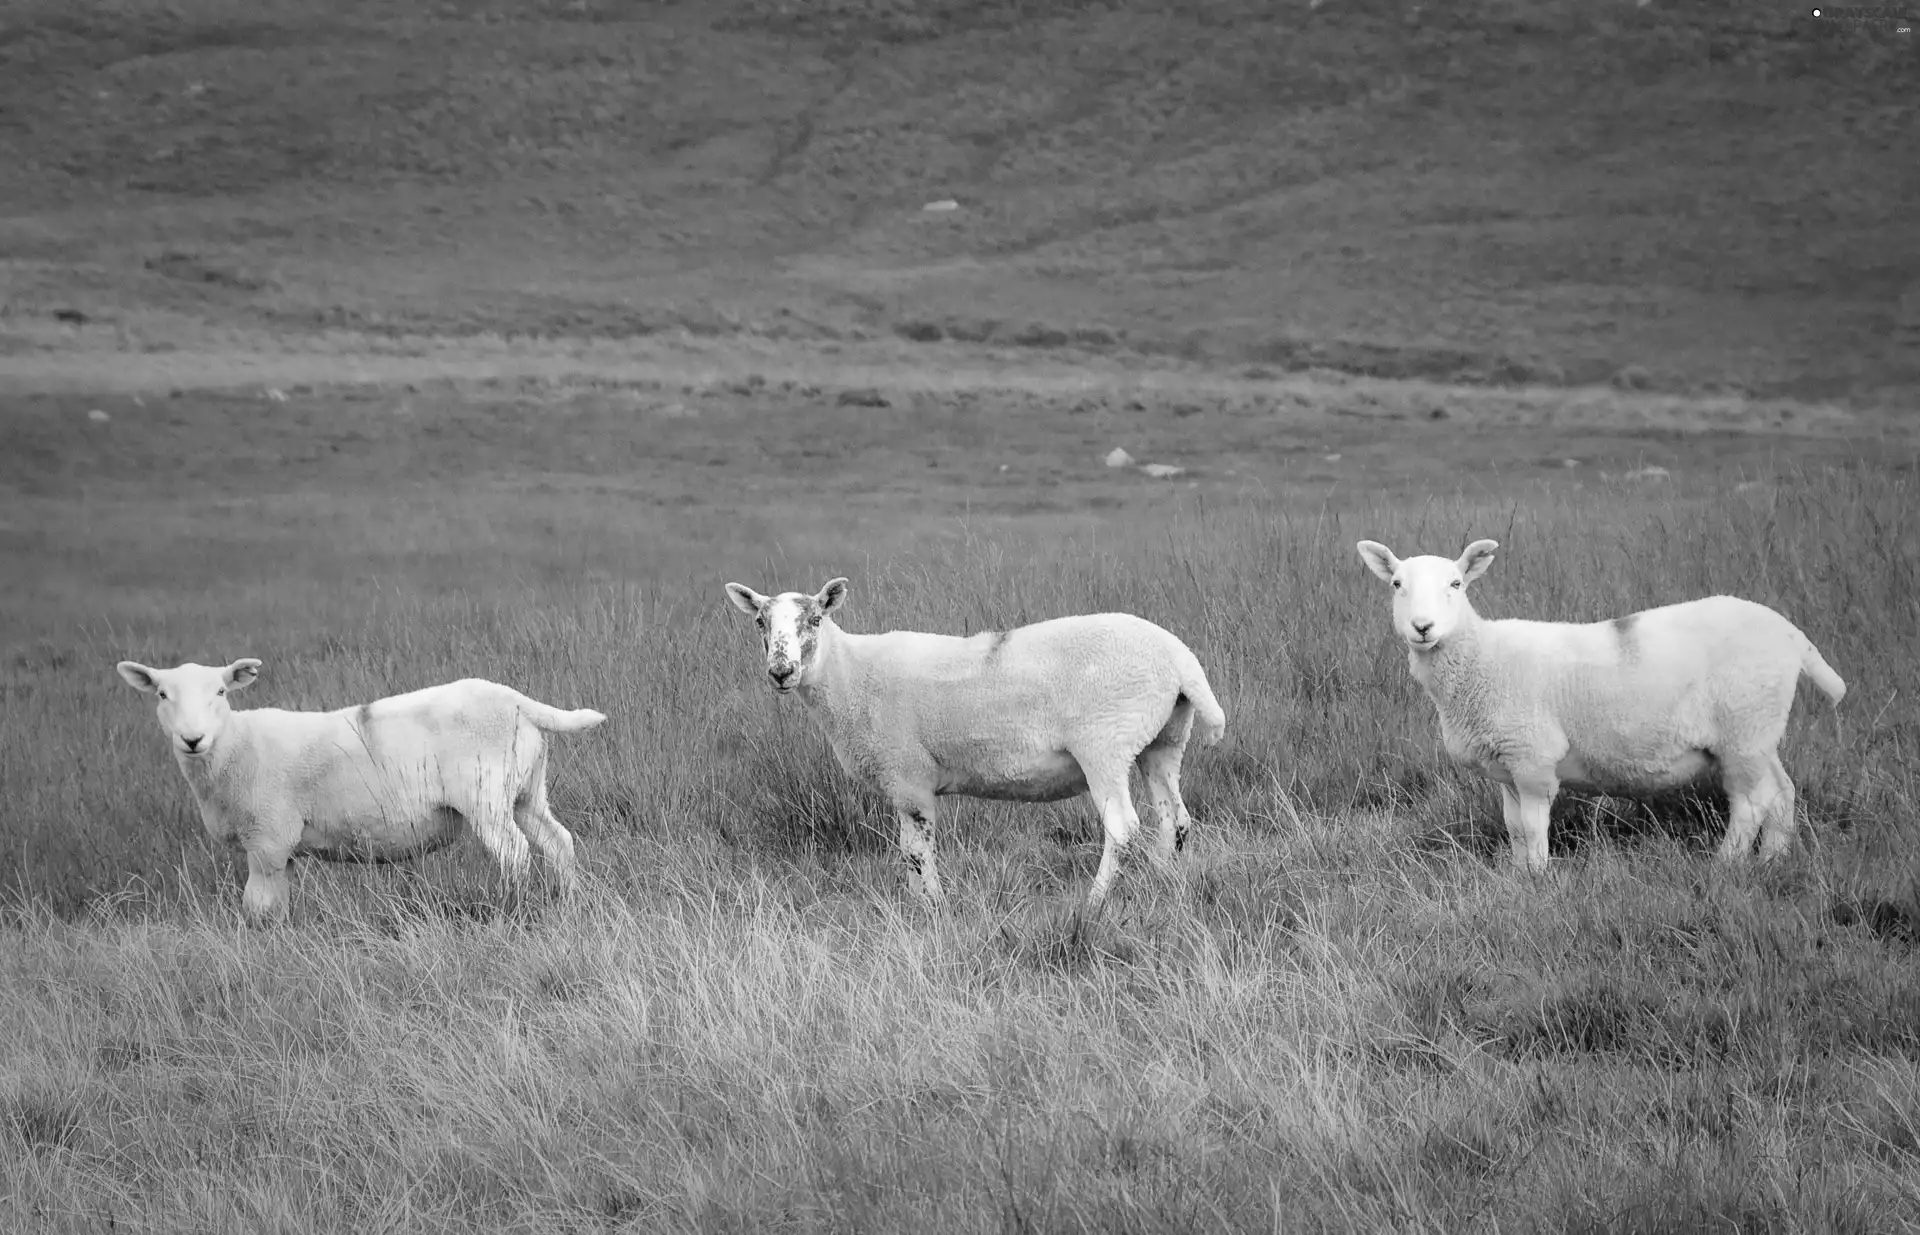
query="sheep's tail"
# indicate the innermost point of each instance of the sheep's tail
(555, 720)
(1821, 673)
(1193, 685)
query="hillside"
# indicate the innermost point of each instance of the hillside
(1687, 195)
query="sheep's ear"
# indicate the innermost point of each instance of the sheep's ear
(745, 599)
(1474, 562)
(830, 596)
(138, 676)
(1379, 558)
(241, 673)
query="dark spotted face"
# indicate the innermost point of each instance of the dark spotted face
(789, 626)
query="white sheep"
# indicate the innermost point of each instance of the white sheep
(378, 782)
(1659, 699)
(1035, 714)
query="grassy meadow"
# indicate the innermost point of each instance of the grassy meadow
(1341, 1013)
(393, 341)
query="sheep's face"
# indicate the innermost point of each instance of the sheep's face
(1429, 592)
(192, 699)
(789, 627)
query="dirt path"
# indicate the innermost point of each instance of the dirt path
(97, 360)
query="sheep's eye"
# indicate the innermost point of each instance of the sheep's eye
(814, 620)
(223, 690)
(163, 694)
(1456, 583)
(1396, 585)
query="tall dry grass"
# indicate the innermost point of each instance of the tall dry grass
(1341, 1014)
(1328, 1032)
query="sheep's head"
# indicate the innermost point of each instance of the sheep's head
(193, 699)
(1429, 592)
(789, 627)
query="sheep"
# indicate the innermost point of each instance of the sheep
(1035, 714)
(1661, 699)
(381, 781)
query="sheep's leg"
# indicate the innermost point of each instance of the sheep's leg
(1107, 786)
(266, 899)
(1527, 804)
(1510, 812)
(1751, 795)
(490, 815)
(915, 813)
(501, 836)
(486, 802)
(1777, 829)
(1160, 770)
(553, 841)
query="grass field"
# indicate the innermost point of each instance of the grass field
(391, 342)
(1342, 1013)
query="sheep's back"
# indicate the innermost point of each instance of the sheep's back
(1038, 686)
(1688, 674)
(398, 753)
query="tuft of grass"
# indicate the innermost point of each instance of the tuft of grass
(42, 1118)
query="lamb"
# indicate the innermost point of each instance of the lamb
(1664, 698)
(381, 781)
(1035, 714)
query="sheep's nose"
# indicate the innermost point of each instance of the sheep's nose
(781, 674)
(192, 744)
(1421, 628)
